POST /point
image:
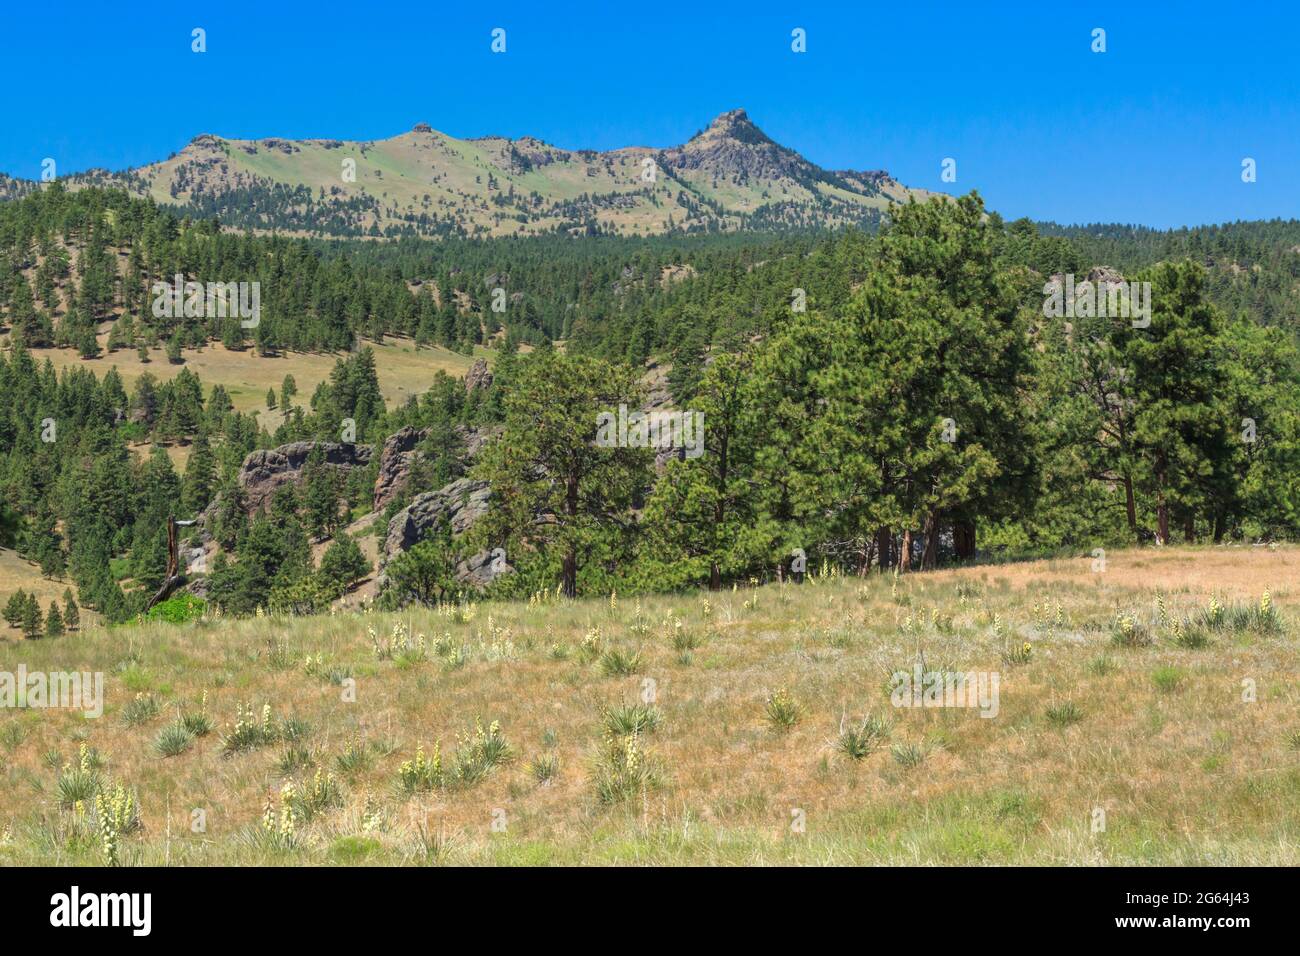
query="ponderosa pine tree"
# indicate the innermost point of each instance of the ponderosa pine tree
(15, 608)
(71, 613)
(54, 621)
(200, 475)
(547, 462)
(32, 624)
(343, 564)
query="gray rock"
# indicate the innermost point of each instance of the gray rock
(478, 376)
(395, 461)
(460, 504)
(266, 470)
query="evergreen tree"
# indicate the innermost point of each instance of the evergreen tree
(15, 608)
(200, 475)
(343, 563)
(71, 614)
(547, 462)
(54, 621)
(32, 624)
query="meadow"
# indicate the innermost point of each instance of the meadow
(1147, 715)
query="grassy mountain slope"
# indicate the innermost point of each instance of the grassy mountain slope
(423, 182)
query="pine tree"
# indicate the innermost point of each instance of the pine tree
(15, 608)
(71, 614)
(200, 475)
(343, 563)
(32, 624)
(54, 621)
(547, 461)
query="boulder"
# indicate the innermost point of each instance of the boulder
(266, 470)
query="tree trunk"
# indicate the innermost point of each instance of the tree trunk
(1130, 506)
(1218, 527)
(884, 545)
(905, 552)
(963, 538)
(1189, 528)
(571, 554)
(930, 556)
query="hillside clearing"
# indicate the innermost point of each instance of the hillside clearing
(403, 370)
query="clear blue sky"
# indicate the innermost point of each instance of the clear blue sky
(1152, 131)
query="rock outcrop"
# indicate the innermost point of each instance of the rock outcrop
(459, 504)
(266, 470)
(478, 376)
(395, 460)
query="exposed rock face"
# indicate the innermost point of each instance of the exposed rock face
(395, 461)
(478, 376)
(460, 504)
(265, 471)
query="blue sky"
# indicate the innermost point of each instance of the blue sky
(1153, 131)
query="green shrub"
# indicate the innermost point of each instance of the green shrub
(180, 609)
(1167, 679)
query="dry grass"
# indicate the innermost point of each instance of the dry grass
(1188, 774)
(17, 573)
(403, 370)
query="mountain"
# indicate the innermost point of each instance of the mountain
(729, 176)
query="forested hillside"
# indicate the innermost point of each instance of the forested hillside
(894, 401)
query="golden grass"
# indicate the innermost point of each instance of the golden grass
(1189, 775)
(403, 370)
(17, 573)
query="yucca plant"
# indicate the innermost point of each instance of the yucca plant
(908, 756)
(1064, 714)
(248, 732)
(1188, 636)
(544, 768)
(423, 773)
(77, 785)
(860, 741)
(623, 719)
(616, 662)
(782, 711)
(323, 794)
(356, 756)
(292, 759)
(140, 708)
(480, 753)
(1128, 631)
(1015, 655)
(173, 740)
(623, 770)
